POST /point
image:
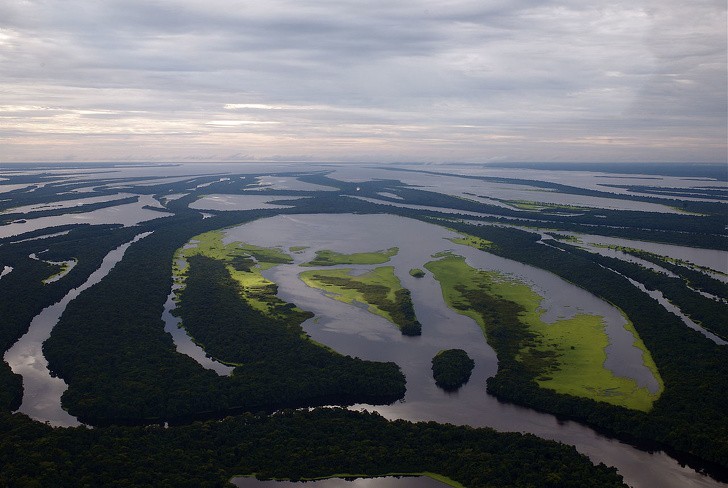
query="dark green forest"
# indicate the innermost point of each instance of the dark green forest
(289, 444)
(451, 368)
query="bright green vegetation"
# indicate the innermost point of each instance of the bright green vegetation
(238, 266)
(111, 348)
(380, 289)
(65, 268)
(244, 262)
(417, 273)
(566, 356)
(332, 258)
(472, 241)
(451, 368)
(690, 414)
(297, 249)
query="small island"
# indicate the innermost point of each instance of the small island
(379, 289)
(332, 258)
(417, 272)
(451, 368)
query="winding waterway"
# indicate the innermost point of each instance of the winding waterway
(354, 331)
(183, 343)
(41, 390)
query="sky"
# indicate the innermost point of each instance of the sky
(369, 81)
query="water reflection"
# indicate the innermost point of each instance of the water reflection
(354, 331)
(6, 271)
(273, 182)
(380, 482)
(449, 183)
(183, 342)
(127, 215)
(42, 391)
(240, 202)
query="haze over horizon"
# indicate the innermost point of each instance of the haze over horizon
(453, 81)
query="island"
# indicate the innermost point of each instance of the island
(451, 368)
(379, 289)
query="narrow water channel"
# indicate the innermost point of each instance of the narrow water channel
(42, 391)
(657, 295)
(182, 341)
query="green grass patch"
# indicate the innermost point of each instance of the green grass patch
(245, 263)
(472, 241)
(65, 268)
(332, 258)
(417, 273)
(566, 356)
(379, 289)
(297, 249)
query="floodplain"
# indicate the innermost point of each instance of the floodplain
(505, 264)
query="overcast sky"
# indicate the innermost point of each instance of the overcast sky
(375, 80)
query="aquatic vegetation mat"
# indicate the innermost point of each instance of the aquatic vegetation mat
(566, 356)
(379, 289)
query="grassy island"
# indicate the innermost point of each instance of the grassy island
(245, 263)
(472, 241)
(380, 289)
(566, 356)
(417, 272)
(332, 258)
(451, 368)
(65, 268)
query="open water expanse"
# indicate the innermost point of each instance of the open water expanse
(354, 331)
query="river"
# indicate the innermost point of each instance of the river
(354, 331)
(41, 390)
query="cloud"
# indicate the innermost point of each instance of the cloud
(338, 80)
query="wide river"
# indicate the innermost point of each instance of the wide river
(354, 331)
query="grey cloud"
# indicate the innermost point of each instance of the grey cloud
(387, 72)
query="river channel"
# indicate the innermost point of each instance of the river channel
(41, 390)
(354, 331)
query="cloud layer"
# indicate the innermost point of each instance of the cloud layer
(327, 80)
